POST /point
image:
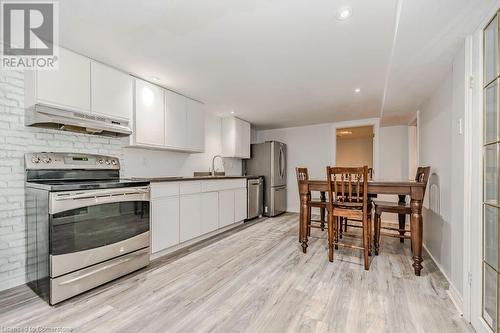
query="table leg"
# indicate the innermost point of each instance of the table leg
(402, 220)
(300, 222)
(304, 218)
(322, 210)
(416, 234)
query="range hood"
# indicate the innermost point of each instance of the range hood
(44, 116)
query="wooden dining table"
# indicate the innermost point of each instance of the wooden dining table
(402, 188)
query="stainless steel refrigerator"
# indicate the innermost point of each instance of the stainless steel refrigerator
(268, 159)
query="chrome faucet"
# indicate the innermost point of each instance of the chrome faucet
(213, 163)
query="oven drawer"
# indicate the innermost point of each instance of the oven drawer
(66, 263)
(69, 285)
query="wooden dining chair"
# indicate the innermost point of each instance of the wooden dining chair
(348, 198)
(380, 207)
(345, 222)
(303, 174)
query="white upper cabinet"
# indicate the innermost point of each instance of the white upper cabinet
(235, 138)
(176, 120)
(149, 111)
(195, 126)
(180, 119)
(112, 92)
(67, 87)
(242, 139)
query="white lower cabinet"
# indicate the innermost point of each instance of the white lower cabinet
(182, 211)
(164, 223)
(226, 208)
(209, 212)
(190, 222)
(240, 204)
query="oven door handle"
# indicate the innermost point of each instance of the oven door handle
(60, 202)
(100, 194)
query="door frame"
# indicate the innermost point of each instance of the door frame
(473, 171)
(375, 122)
(472, 189)
(414, 122)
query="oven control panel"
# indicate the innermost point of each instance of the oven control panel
(48, 161)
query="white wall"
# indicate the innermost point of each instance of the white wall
(394, 159)
(355, 152)
(393, 153)
(412, 151)
(150, 163)
(307, 146)
(442, 148)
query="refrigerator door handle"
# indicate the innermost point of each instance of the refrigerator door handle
(281, 163)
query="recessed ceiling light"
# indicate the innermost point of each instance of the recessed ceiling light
(357, 90)
(155, 78)
(232, 112)
(343, 13)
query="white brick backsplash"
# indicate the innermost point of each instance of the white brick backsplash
(16, 140)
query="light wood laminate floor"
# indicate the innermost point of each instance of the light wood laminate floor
(256, 279)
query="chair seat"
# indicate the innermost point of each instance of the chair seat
(391, 207)
(318, 203)
(348, 205)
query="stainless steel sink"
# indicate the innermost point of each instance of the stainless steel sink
(208, 174)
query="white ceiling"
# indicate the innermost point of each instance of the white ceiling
(280, 63)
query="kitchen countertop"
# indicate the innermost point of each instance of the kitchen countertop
(177, 179)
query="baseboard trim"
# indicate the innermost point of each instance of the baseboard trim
(452, 292)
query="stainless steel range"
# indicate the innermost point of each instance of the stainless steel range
(85, 225)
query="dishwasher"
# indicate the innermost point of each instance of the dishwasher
(255, 197)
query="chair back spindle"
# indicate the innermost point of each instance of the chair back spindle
(302, 174)
(422, 175)
(345, 184)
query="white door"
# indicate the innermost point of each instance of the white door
(226, 208)
(112, 92)
(164, 223)
(209, 212)
(240, 204)
(195, 126)
(69, 86)
(190, 226)
(176, 120)
(149, 114)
